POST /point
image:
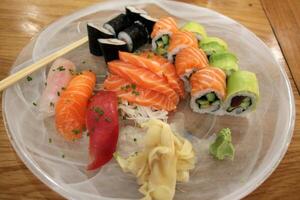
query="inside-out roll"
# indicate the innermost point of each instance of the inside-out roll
(212, 45)
(208, 87)
(162, 31)
(226, 61)
(242, 93)
(196, 28)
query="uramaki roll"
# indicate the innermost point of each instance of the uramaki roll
(208, 90)
(242, 93)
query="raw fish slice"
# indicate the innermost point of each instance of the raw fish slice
(164, 24)
(140, 61)
(190, 59)
(168, 72)
(59, 75)
(140, 96)
(143, 78)
(181, 40)
(209, 78)
(70, 109)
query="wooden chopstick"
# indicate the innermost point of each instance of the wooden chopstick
(10, 80)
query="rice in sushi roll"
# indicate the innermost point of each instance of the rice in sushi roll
(95, 33)
(135, 36)
(208, 87)
(188, 61)
(225, 61)
(242, 93)
(111, 47)
(118, 24)
(196, 28)
(162, 31)
(181, 40)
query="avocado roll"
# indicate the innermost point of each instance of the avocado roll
(135, 36)
(95, 33)
(118, 24)
(196, 28)
(212, 45)
(111, 47)
(242, 93)
(134, 13)
(208, 87)
(225, 61)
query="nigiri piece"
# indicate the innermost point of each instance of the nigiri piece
(70, 109)
(143, 78)
(103, 127)
(181, 40)
(134, 94)
(59, 75)
(208, 90)
(161, 34)
(188, 61)
(140, 61)
(169, 72)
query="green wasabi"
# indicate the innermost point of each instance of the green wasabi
(222, 146)
(196, 28)
(225, 61)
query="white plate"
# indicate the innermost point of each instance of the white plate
(261, 139)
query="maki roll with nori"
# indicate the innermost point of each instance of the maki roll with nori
(196, 28)
(134, 13)
(95, 33)
(225, 61)
(242, 93)
(208, 88)
(111, 47)
(212, 45)
(135, 36)
(118, 24)
(148, 22)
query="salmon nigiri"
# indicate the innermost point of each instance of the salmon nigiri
(135, 94)
(189, 60)
(140, 61)
(70, 109)
(208, 90)
(169, 72)
(142, 78)
(181, 40)
(59, 75)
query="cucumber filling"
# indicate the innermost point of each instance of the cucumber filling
(240, 104)
(208, 100)
(162, 45)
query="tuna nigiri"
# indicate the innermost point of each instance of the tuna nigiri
(70, 109)
(143, 78)
(59, 75)
(208, 90)
(189, 60)
(135, 94)
(180, 40)
(103, 127)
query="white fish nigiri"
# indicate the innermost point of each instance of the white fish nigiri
(59, 75)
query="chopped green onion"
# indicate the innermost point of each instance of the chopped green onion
(29, 78)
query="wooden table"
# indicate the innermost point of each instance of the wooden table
(275, 22)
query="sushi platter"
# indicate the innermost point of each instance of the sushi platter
(142, 102)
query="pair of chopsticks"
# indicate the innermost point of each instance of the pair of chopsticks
(12, 79)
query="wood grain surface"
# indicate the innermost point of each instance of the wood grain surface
(21, 20)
